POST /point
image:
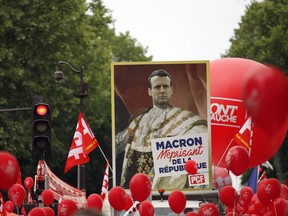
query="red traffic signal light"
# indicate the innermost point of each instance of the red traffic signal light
(41, 120)
(41, 110)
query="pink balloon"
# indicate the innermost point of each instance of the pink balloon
(146, 208)
(95, 201)
(37, 211)
(117, 198)
(48, 211)
(16, 194)
(9, 169)
(191, 167)
(228, 112)
(228, 196)
(177, 201)
(237, 160)
(263, 92)
(47, 197)
(9, 206)
(140, 186)
(67, 207)
(28, 182)
(208, 209)
(220, 177)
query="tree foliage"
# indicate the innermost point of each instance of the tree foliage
(262, 36)
(34, 36)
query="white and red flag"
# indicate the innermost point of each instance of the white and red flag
(83, 143)
(244, 136)
(105, 183)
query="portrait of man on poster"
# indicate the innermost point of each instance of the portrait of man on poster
(155, 101)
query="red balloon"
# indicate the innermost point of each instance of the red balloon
(48, 211)
(128, 203)
(28, 182)
(246, 194)
(95, 201)
(284, 192)
(263, 92)
(269, 190)
(263, 196)
(228, 112)
(140, 187)
(208, 209)
(117, 198)
(191, 167)
(67, 207)
(191, 214)
(220, 177)
(36, 212)
(279, 206)
(228, 196)
(16, 194)
(177, 201)
(47, 197)
(237, 160)
(9, 206)
(9, 169)
(146, 208)
(260, 208)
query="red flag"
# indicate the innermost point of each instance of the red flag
(83, 143)
(105, 182)
(243, 137)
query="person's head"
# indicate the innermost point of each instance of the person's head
(160, 88)
(87, 212)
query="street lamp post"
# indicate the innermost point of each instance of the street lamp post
(83, 92)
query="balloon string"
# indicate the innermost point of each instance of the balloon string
(223, 154)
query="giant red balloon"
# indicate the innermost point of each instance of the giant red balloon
(264, 92)
(16, 194)
(146, 208)
(95, 201)
(140, 187)
(9, 169)
(67, 207)
(177, 201)
(208, 209)
(117, 198)
(47, 197)
(237, 160)
(28, 182)
(229, 113)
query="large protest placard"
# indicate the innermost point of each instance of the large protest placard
(161, 101)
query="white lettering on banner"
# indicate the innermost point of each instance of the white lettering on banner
(75, 153)
(222, 113)
(86, 129)
(198, 179)
(78, 138)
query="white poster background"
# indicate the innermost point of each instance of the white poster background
(170, 154)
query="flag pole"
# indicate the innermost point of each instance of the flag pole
(106, 159)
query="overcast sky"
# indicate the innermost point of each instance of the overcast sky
(179, 30)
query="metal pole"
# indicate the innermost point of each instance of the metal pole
(81, 178)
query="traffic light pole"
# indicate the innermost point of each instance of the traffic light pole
(81, 95)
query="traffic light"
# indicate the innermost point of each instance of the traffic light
(41, 127)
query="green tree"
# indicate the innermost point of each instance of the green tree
(34, 36)
(262, 36)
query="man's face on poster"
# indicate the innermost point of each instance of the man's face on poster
(160, 91)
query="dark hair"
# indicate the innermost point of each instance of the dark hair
(159, 72)
(87, 212)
